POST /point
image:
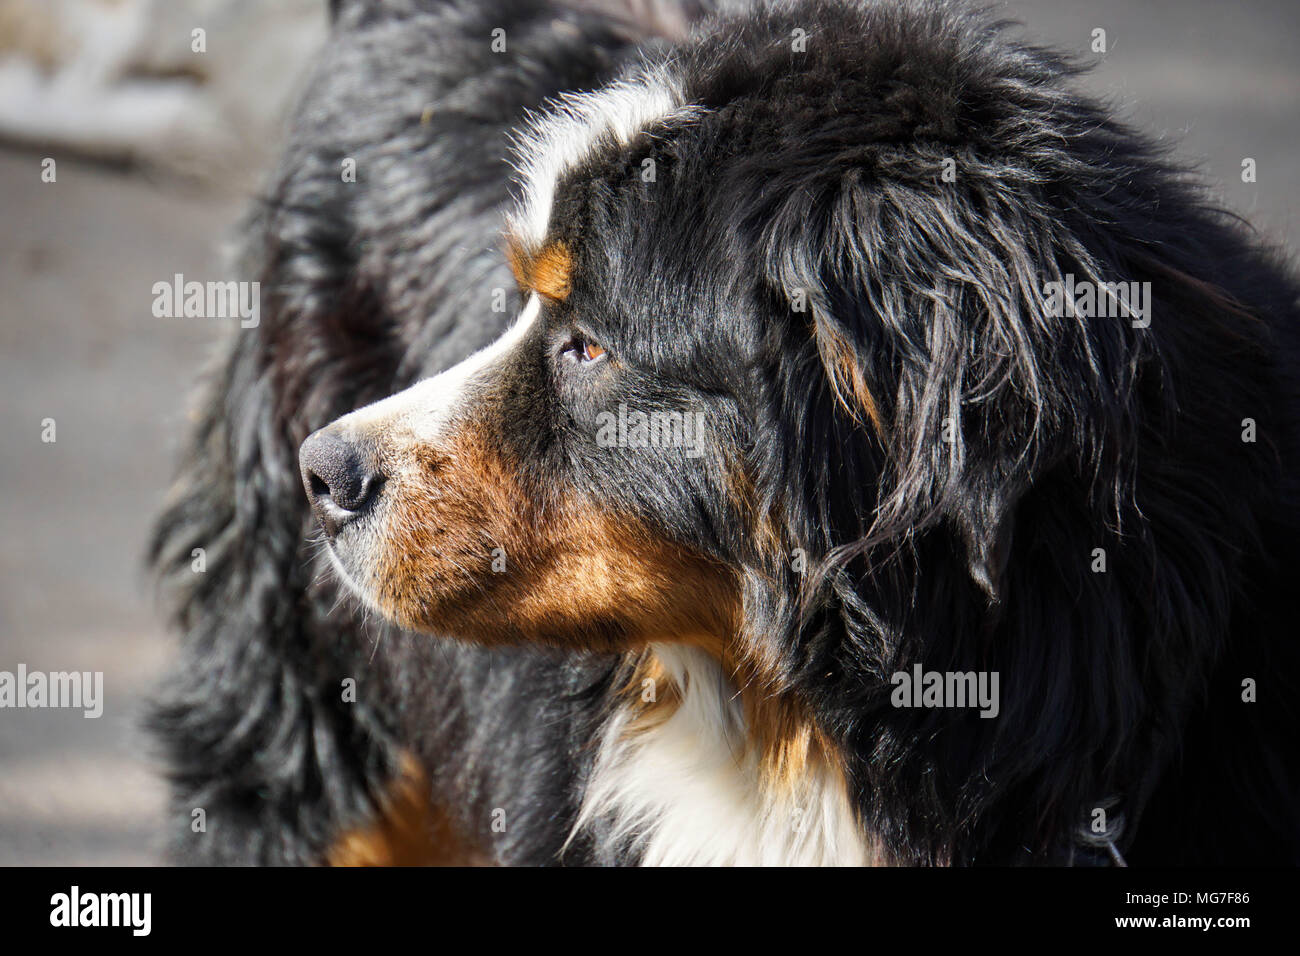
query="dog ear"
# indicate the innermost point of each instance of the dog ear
(933, 330)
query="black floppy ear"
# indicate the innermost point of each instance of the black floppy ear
(969, 479)
(933, 326)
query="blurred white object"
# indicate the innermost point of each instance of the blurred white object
(119, 79)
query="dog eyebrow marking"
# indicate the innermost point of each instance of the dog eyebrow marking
(548, 272)
(573, 125)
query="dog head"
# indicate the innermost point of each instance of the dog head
(486, 503)
(757, 325)
(781, 311)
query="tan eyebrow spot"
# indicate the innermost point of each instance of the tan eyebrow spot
(547, 272)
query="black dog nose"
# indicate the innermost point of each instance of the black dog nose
(340, 479)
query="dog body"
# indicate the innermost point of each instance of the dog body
(788, 404)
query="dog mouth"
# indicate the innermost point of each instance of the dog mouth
(454, 542)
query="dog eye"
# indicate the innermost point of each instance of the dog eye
(582, 349)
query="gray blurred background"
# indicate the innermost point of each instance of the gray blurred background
(157, 148)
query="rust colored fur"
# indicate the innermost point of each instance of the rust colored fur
(409, 830)
(577, 575)
(548, 271)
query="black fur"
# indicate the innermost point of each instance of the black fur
(816, 171)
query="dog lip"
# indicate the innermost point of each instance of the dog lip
(337, 560)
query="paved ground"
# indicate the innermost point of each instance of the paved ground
(78, 344)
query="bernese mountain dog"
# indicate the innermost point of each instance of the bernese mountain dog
(806, 432)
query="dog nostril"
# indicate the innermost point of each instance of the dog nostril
(318, 487)
(370, 489)
(339, 476)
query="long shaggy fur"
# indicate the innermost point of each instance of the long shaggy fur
(947, 452)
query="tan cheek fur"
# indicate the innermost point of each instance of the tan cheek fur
(574, 575)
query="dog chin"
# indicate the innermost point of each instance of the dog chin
(339, 562)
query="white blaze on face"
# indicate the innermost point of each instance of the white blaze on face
(421, 413)
(559, 140)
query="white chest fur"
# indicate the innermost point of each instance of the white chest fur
(688, 792)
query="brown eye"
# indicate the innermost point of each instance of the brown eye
(583, 350)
